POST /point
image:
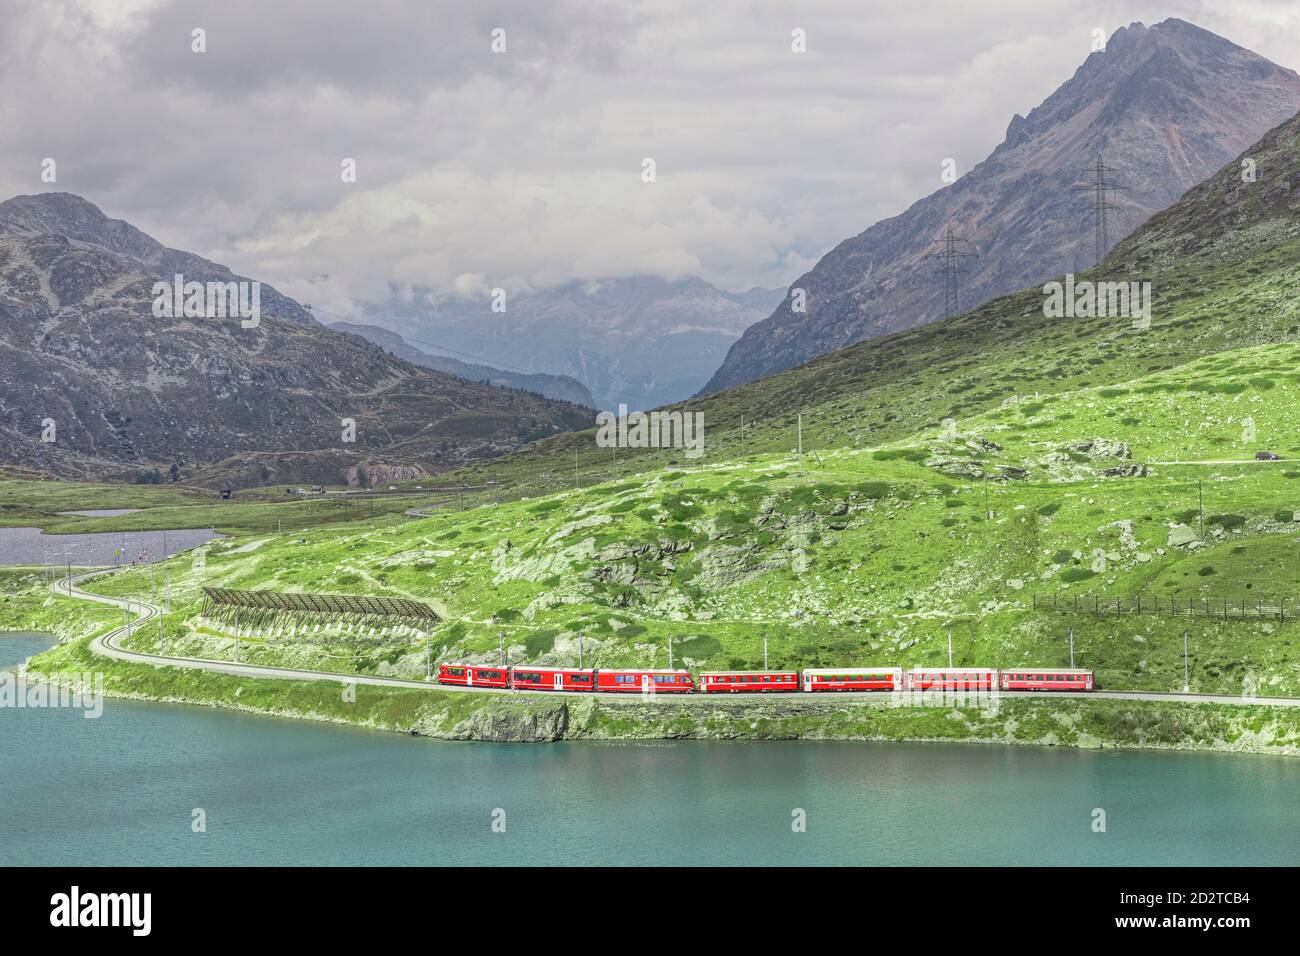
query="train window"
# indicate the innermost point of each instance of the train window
(456, 671)
(580, 678)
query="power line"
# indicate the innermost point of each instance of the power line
(491, 363)
(951, 256)
(1100, 185)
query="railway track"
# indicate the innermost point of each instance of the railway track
(108, 645)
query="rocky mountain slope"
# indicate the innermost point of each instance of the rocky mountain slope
(641, 341)
(560, 387)
(1163, 106)
(125, 394)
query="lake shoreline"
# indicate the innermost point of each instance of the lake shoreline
(444, 715)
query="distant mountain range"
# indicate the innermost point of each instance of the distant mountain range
(560, 387)
(641, 341)
(1163, 106)
(126, 394)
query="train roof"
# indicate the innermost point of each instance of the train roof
(1030, 669)
(864, 669)
(638, 670)
(552, 670)
(463, 664)
(745, 673)
(951, 670)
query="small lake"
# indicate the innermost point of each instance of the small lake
(31, 546)
(122, 789)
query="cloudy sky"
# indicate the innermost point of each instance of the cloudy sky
(523, 168)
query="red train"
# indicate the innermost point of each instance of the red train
(527, 677)
(637, 682)
(749, 682)
(951, 678)
(859, 679)
(474, 675)
(1039, 679)
(530, 677)
(853, 678)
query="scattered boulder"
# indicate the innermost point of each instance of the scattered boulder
(1102, 448)
(1125, 471)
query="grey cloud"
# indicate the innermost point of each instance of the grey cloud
(523, 169)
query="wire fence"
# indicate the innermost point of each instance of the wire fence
(1211, 608)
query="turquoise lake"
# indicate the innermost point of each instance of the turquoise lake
(122, 789)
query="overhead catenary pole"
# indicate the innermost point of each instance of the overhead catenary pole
(764, 652)
(1200, 497)
(1186, 673)
(801, 442)
(579, 652)
(1071, 648)
(950, 648)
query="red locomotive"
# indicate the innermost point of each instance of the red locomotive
(474, 675)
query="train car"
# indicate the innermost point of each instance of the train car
(952, 678)
(648, 681)
(474, 675)
(748, 682)
(1040, 678)
(527, 677)
(853, 678)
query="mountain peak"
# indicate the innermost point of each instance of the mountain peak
(70, 215)
(1167, 105)
(138, 395)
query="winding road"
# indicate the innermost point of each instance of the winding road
(108, 645)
